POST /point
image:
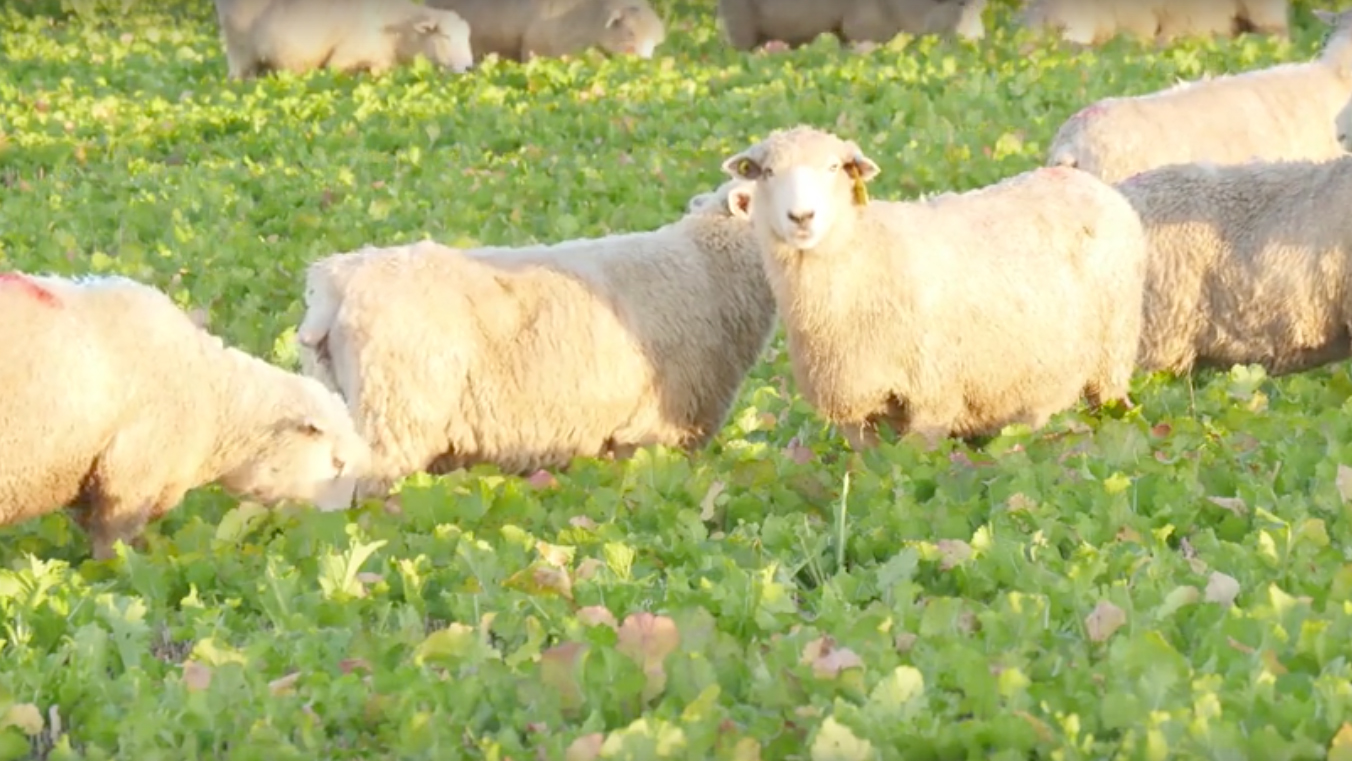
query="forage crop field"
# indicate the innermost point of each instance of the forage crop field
(1173, 582)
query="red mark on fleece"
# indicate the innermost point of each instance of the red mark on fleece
(1089, 112)
(29, 287)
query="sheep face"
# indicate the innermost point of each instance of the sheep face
(1343, 125)
(633, 29)
(805, 180)
(443, 37)
(312, 455)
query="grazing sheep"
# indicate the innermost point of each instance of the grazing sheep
(1342, 125)
(1247, 265)
(519, 30)
(118, 404)
(748, 24)
(344, 35)
(959, 314)
(1094, 22)
(1283, 112)
(528, 357)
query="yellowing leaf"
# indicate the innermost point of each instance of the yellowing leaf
(585, 748)
(23, 716)
(457, 642)
(237, 523)
(903, 685)
(827, 660)
(1222, 589)
(559, 670)
(1116, 483)
(1344, 482)
(1340, 748)
(1103, 620)
(597, 615)
(541, 579)
(196, 676)
(836, 742)
(710, 501)
(952, 553)
(1233, 504)
(284, 685)
(649, 639)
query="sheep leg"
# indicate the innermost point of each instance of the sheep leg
(109, 520)
(860, 436)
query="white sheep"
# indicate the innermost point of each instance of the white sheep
(527, 357)
(118, 404)
(751, 23)
(1093, 22)
(1247, 264)
(1281, 112)
(519, 30)
(1342, 125)
(959, 314)
(343, 35)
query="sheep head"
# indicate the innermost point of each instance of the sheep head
(632, 28)
(803, 177)
(440, 35)
(732, 198)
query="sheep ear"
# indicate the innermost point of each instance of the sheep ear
(739, 203)
(426, 25)
(616, 16)
(1326, 16)
(743, 167)
(309, 426)
(862, 168)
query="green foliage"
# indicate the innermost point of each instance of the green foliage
(1139, 586)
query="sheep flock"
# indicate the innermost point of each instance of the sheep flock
(1166, 231)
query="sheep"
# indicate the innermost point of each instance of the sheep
(1342, 125)
(1282, 112)
(519, 30)
(1246, 265)
(528, 357)
(751, 23)
(149, 406)
(343, 35)
(1093, 22)
(958, 314)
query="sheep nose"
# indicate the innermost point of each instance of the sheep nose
(801, 217)
(339, 464)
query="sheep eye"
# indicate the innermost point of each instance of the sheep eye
(767, 172)
(834, 168)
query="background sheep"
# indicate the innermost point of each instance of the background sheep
(521, 29)
(1247, 264)
(528, 357)
(1282, 112)
(955, 315)
(344, 35)
(150, 407)
(1093, 22)
(750, 23)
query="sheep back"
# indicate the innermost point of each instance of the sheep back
(644, 337)
(1246, 264)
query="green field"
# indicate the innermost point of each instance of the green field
(1174, 583)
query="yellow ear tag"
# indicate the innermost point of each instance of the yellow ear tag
(744, 167)
(859, 190)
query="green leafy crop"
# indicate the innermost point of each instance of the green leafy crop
(1172, 582)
